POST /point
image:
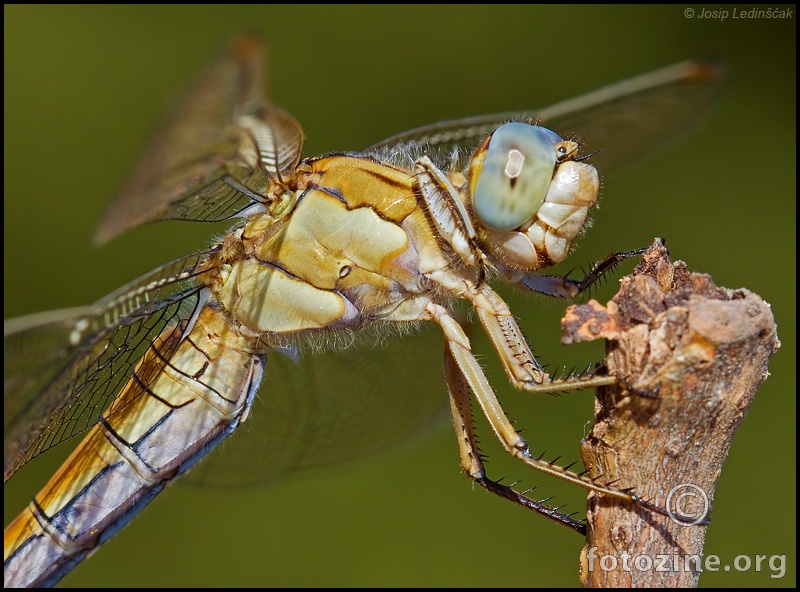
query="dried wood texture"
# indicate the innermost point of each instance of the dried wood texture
(692, 356)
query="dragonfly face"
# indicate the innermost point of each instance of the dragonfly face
(168, 366)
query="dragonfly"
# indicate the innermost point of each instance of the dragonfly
(325, 254)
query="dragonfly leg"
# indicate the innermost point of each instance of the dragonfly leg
(565, 287)
(520, 365)
(470, 456)
(465, 364)
(500, 325)
(523, 370)
(448, 214)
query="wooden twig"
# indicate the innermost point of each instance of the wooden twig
(691, 356)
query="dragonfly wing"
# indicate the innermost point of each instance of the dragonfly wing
(623, 120)
(62, 369)
(626, 120)
(337, 406)
(216, 152)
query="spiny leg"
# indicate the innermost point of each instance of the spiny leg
(470, 456)
(526, 375)
(440, 199)
(467, 366)
(522, 369)
(565, 287)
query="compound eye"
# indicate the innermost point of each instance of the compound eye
(510, 186)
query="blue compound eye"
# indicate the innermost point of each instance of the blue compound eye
(513, 180)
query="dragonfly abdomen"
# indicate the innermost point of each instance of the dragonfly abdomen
(188, 392)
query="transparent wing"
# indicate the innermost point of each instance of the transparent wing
(215, 153)
(336, 406)
(312, 410)
(62, 369)
(622, 120)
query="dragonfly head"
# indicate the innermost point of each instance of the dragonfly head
(529, 196)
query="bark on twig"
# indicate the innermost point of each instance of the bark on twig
(692, 356)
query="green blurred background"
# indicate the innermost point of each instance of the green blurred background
(83, 89)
